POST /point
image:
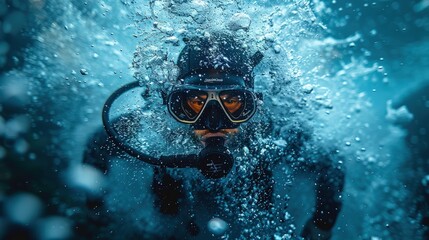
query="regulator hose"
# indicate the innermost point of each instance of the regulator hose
(214, 161)
(174, 161)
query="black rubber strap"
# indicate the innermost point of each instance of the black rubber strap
(175, 161)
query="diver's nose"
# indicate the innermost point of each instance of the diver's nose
(213, 121)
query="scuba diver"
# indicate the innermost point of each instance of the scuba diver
(214, 95)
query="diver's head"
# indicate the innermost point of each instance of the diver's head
(214, 91)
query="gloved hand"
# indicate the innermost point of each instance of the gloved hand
(312, 232)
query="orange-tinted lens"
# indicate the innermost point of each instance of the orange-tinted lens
(232, 102)
(185, 105)
(240, 105)
(196, 101)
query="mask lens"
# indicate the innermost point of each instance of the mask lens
(239, 104)
(195, 100)
(186, 105)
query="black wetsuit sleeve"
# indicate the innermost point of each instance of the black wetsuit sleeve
(99, 150)
(326, 164)
(315, 158)
(329, 187)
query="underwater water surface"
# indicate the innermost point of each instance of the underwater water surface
(354, 72)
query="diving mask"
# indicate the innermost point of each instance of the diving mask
(190, 104)
(212, 103)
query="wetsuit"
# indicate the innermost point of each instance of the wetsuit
(169, 189)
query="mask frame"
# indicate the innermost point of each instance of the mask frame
(176, 98)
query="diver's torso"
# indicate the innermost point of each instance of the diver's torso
(243, 201)
(246, 199)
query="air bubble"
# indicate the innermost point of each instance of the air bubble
(277, 48)
(217, 226)
(240, 21)
(425, 181)
(21, 146)
(54, 227)
(83, 71)
(307, 88)
(23, 208)
(86, 177)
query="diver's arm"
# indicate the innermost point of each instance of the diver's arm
(329, 187)
(99, 150)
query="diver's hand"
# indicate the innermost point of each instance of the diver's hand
(312, 232)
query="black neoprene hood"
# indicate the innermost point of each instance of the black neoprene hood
(215, 57)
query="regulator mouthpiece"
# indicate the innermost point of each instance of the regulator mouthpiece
(215, 160)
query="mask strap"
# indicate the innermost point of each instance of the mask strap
(256, 58)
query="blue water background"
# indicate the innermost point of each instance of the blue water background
(363, 61)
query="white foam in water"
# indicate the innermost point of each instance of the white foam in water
(400, 115)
